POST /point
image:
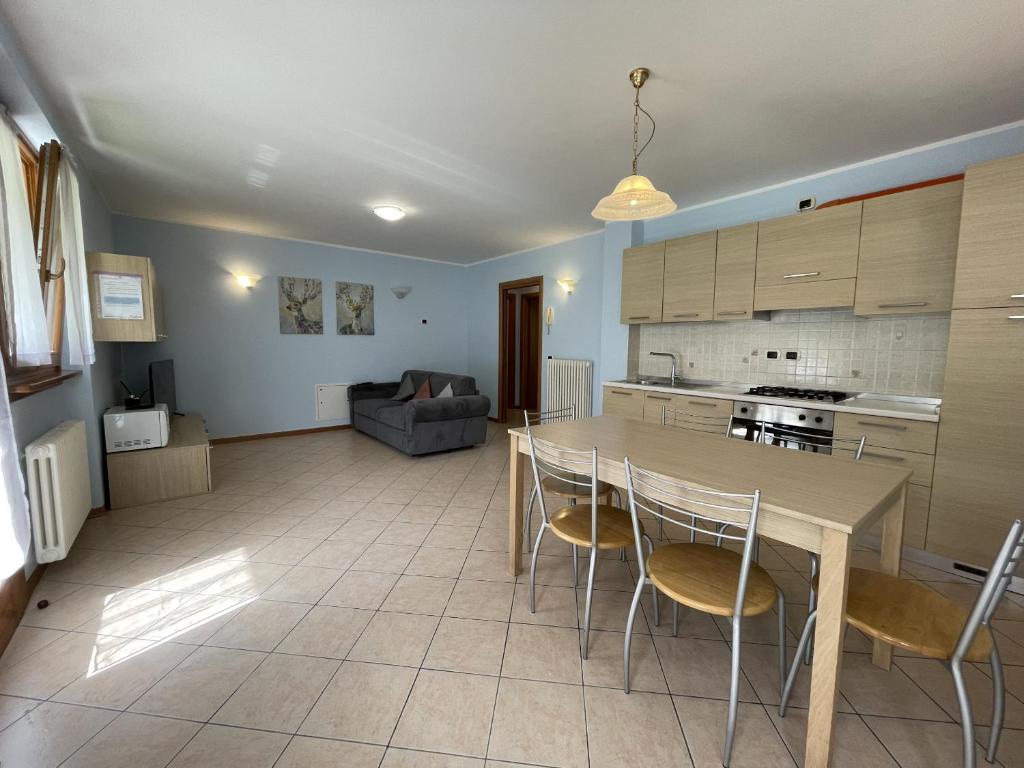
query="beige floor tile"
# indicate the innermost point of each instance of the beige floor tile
(135, 612)
(217, 746)
(419, 513)
(27, 640)
(307, 752)
(395, 638)
(462, 516)
(487, 566)
(922, 744)
(239, 546)
(134, 741)
(362, 703)
(535, 652)
(407, 758)
(193, 543)
(757, 744)
(419, 594)
(491, 540)
(761, 669)
(49, 734)
(437, 562)
(855, 745)
(316, 528)
(360, 530)
(638, 729)
(385, 558)
(326, 631)
(360, 589)
(285, 550)
(380, 511)
(762, 629)
(698, 667)
(603, 666)
(303, 584)
(13, 707)
(451, 536)
(410, 534)
(115, 683)
(448, 712)
(75, 605)
(467, 645)
(937, 681)
(228, 578)
(273, 525)
(195, 622)
(874, 691)
(610, 610)
(279, 694)
(540, 723)
(335, 554)
(260, 626)
(480, 600)
(197, 687)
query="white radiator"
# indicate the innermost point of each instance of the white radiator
(571, 382)
(57, 465)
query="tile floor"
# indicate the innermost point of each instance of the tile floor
(335, 603)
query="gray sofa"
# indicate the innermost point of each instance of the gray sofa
(422, 426)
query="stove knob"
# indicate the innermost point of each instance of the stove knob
(744, 410)
(818, 419)
(803, 417)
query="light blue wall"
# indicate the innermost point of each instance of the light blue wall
(576, 331)
(231, 362)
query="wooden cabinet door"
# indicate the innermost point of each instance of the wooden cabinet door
(150, 326)
(643, 273)
(978, 488)
(689, 292)
(908, 244)
(653, 404)
(623, 402)
(734, 272)
(990, 261)
(809, 247)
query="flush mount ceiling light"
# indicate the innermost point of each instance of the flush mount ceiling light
(635, 197)
(388, 212)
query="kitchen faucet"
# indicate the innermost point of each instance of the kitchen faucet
(672, 376)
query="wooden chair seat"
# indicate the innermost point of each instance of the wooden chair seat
(909, 615)
(614, 526)
(558, 487)
(705, 577)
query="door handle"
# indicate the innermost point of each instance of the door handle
(1015, 317)
(656, 397)
(800, 274)
(898, 427)
(700, 402)
(883, 456)
(687, 314)
(620, 392)
(1017, 295)
(732, 313)
(899, 305)
(639, 317)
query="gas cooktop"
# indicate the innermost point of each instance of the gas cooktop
(796, 393)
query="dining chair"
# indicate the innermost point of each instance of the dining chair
(914, 617)
(551, 485)
(594, 526)
(708, 577)
(696, 422)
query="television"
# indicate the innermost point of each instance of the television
(161, 384)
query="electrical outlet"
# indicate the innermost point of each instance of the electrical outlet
(792, 355)
(772, 354)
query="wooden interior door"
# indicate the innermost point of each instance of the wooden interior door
(529, 351)
(509, 347)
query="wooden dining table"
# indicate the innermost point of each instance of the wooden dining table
(817, 502)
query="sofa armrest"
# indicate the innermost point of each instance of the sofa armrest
(447, 408)
(369, 389)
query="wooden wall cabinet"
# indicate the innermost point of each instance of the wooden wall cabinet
(643, 275)
(990, 261)
(908, 245)
(689, 285)
(151, 326)
(735, 267)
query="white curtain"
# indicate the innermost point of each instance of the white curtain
(77, 316)
(14, 518)
(17, 254)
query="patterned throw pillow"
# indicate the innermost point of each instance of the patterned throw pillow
(405, 390)
(447, 391)
(423, 393)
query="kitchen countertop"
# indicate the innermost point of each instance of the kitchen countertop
(917, 409)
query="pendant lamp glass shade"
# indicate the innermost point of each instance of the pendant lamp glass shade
(632, 199)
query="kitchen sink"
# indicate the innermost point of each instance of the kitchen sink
(663, 381)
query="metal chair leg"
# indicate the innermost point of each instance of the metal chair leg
(654, 589)
(575, 566)
(533, 568)
(998, 703)
(629, 630)
(528, 522)
(590, 597)
(966, 717)
(782, 640)
(805, 638)
(734, 692)
(812, 602)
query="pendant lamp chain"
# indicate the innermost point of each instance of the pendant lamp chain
(637, 109)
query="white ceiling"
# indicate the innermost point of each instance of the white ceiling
(496, 125)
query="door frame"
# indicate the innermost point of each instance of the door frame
(503, 346)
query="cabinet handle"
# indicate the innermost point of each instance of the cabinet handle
(1015, 317)
(883, 456)
(687, 314)
(639, 317)
(701, 402)
(1017, 295)
(656, 397)
(732, 313)
(903, 304)
(899, 427)
(801, 274)
(620, 392)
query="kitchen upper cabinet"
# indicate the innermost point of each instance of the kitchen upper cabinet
(643, 275)
(990, 260)
(979, 482)
(734, 272)
(908, 245)
(689, 290)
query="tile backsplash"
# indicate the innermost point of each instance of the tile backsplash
(836, 350)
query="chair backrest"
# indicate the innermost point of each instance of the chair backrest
(699, 510)
(810, 441)
(716, 425)
(533, 418)
(574, 467)
(1002, 571)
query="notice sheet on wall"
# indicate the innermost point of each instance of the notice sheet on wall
(120, 296)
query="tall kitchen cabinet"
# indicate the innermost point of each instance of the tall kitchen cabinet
(978, 488)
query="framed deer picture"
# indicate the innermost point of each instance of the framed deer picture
(300, 305)
(355, 309)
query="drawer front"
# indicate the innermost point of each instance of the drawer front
(915, 519)
(654, 402)
(702, 406)
(623, 402)
(819, 295)
(920, 464)
(884, 432)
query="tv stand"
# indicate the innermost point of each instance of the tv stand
(180, 468)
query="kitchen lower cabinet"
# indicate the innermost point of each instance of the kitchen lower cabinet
(623, 402)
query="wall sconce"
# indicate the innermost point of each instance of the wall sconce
(549, 318)
(248, 281)
(567, 285)
(401, 291)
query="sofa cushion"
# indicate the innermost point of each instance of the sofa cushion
(406, 389)
(447, 391)
(372, 406)
(461, 385)
(395, 416)
(423, 393)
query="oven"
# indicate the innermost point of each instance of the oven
(790, 426)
